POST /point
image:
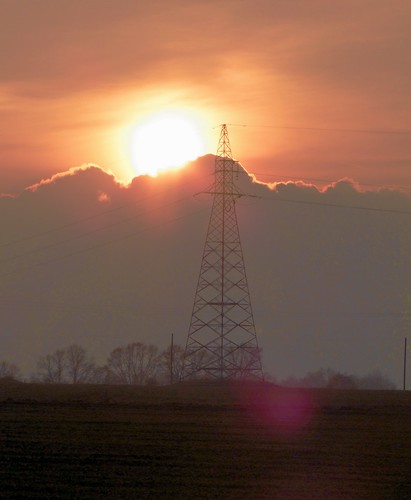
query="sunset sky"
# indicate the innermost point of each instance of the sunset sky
(77, 77)
(317, 97)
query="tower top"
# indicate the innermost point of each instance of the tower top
(226, 168)
(224, 148)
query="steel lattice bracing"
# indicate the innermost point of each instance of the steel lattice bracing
(222, 342)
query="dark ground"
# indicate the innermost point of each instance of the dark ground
(201, 440)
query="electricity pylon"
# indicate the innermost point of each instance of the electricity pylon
(222, 342)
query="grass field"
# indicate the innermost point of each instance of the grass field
(203, 441)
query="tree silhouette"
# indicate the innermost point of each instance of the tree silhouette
(51, 367)
(70, 365)
(79, 366)
(135, 363)
(9, 370)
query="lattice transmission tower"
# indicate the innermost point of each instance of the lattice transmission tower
(222, 342)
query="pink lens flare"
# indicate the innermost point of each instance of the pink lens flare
(283, 411)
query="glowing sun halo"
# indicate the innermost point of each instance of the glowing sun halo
(163, 142)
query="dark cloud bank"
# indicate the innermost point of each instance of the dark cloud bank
(87, 260)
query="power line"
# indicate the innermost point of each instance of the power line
(94, 247)
(325, 129)
(383, 314)
(88, 233)
(67, 240)
(325, 204)
(328, 204)
(336, 205)
(115, 209)
(7, 302)
(83, 219)
(316, 179)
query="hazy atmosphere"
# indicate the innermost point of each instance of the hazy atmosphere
(90, 261)
(316, 95)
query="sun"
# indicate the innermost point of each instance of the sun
(165, 141)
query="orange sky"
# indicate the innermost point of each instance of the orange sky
(75, 76)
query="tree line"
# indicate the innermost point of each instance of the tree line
(134, 364)
(335, 380)
(142, 364)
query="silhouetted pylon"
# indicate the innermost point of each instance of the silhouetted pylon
(222, 342)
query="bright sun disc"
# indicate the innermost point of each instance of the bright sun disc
(165, 141)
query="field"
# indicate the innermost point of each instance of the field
(203, 440)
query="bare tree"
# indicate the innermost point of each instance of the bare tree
(51, 367)
(135, 363)
(171, 360)
(101, 375)
(195, 364)
(79, 366)
(9, 370)
(244, 362)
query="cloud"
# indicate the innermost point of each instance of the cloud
(328, 281)
(87, 169)
(78, 73)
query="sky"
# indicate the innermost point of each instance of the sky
(76, 77)
(316, 95)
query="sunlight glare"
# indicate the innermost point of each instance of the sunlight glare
(165, 141)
